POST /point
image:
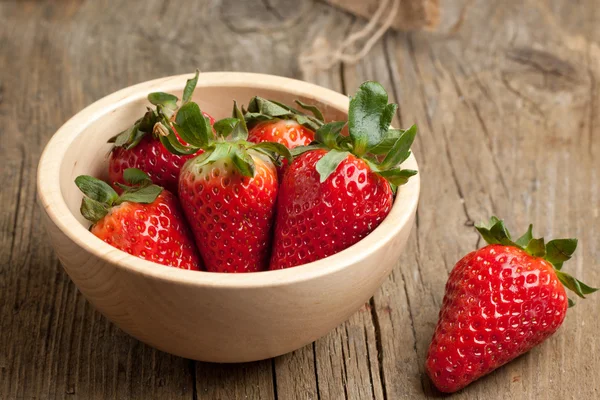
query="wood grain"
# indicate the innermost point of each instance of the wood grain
(506, 99)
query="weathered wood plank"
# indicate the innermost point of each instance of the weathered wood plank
(506, 99)
(502, 138)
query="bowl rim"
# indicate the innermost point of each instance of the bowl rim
(51, 200)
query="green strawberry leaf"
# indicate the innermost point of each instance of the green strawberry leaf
(134, 176)
(369, 116)
(96, 189)
(240, 131)
(387, 143)
(192, 126)
(329, 163)
(571, 303)
(144, 195)
(296, 151)
(256, 117)
(166, 100)
(225, 126)
(188, 90)
(397, 176)
(212, 154)
(260, 109)
(400, 151)
(266, 107)
(495, 232)
(536, 247)
(93, 210)
(560, 250)
(173, 145)
(329, 133)
(313, 109)
(124, 137)
(243, 161)
(146, 123)
(274, 148)
(524, 240)
(580, 288)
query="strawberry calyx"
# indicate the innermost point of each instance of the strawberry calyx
(156, 120)
(370, 137)
(100, 197)
(229, 139)
(260, 109)
(556, 251)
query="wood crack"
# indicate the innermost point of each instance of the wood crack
(314, 348)
(17, 206)
(344, 357)
(274, 372)
(192, 370)
(378, 345)
(369, 361)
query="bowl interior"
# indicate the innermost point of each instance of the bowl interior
(80, 147)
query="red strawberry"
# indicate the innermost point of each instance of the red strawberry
(500, 302)
(271, 121)
(285, 131)
(145, 221)
(336, 192)
(142, 146)
(228, 193)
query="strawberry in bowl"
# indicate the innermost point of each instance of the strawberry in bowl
(148, 143)
(340, 188)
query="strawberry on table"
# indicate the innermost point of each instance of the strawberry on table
(500, 302)
(145, 220)
(142, 145)
(228, 193)
(271, 121)
(337, 190)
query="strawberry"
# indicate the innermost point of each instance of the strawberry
(146, 220)
(337, 191)
(285, 131)
(229, 192)
(271, 121)
(500, 302)
(145, 146)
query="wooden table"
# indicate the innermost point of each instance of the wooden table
(507, 100)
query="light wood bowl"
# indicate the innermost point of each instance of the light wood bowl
(201, 315)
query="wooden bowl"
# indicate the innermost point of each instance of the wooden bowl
(201, 315)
